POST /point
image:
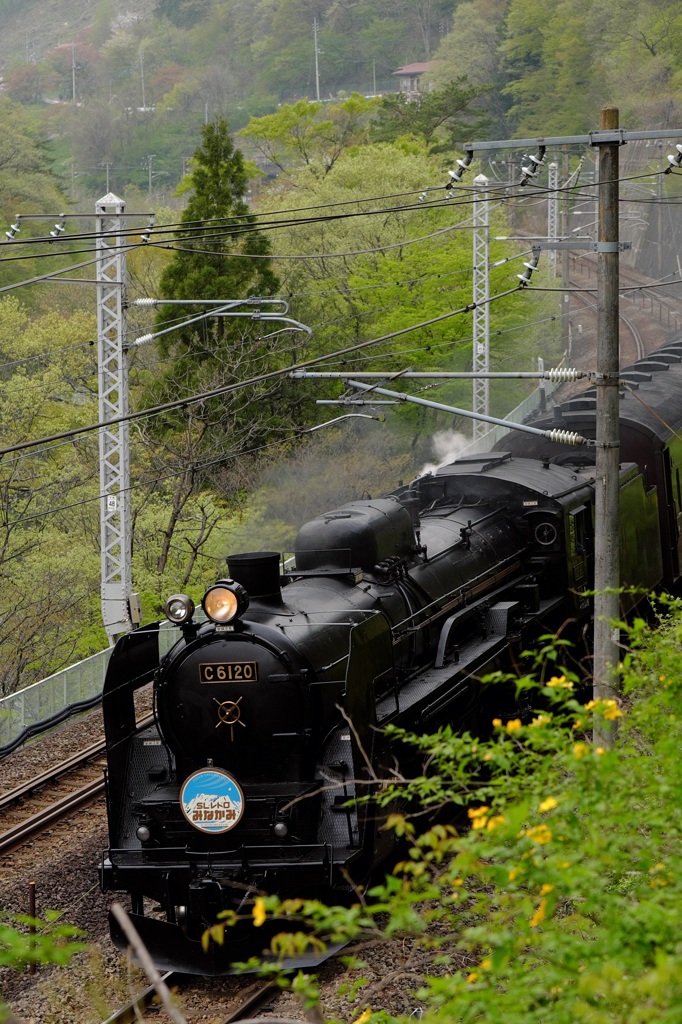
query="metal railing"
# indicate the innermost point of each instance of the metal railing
(48, 702)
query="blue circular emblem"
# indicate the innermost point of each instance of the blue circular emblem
(212, 800)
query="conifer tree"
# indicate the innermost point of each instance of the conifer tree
(216, 224)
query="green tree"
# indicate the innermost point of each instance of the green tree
(220, 255)
(51, 943)
(311, 135)
(473, 45)
(49, 526)
(218, 233)
(444, 118)
(553, 79)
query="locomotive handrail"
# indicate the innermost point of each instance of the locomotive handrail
(456, 616)
(455, 596)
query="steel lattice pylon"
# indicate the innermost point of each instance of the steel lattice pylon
(113, 403)
(553, 209)
(481, 360)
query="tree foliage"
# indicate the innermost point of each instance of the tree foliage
(442, 118)
(49, 565)
(212, 258)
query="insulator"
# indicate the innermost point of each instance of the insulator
(456, 176)
(674, 160)
(560, 374)
(565, 437)
(146, 302)
(143, 339)
(530, 172)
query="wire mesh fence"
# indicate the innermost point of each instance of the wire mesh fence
(52, 699)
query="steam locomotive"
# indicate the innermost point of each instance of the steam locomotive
(269, 715)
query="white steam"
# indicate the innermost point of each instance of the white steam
(447, 445)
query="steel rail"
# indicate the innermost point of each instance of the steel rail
(37, 822)
(52, 774)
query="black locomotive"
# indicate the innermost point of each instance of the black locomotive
(268, 716)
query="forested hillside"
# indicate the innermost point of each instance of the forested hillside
(121, 90)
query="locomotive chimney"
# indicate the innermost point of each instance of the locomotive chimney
(258, 573)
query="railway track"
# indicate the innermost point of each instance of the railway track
(656, 309)
(250, 1002)
(34, 805)
(38, 822)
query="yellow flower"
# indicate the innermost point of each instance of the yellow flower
(549, 804)
(546, 888)
(458, 882)
(485, 963)
(364, 1017)
(513, 872)
(560, 683)
(580, 749)
(541, 720)
(479, 816)
(539, 915)
(539, 834)
(599, 751)
(513, 725)
(487, 756)
(497, 722)
(259, 912)
(565, 864)
(472, 977)
(607, 707)
(497, 819)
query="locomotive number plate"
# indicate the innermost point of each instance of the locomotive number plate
(229, 672)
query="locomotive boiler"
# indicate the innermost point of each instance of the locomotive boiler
(269, 710)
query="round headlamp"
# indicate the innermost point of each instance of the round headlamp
(225, 601)
(179, 608)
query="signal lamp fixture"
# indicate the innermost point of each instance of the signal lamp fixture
(147, 234)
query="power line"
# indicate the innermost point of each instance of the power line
(227, 388)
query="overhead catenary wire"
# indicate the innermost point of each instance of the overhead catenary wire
(254, 220)
(261, 378)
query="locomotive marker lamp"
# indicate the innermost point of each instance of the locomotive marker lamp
(225, 601)
(179, 609)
